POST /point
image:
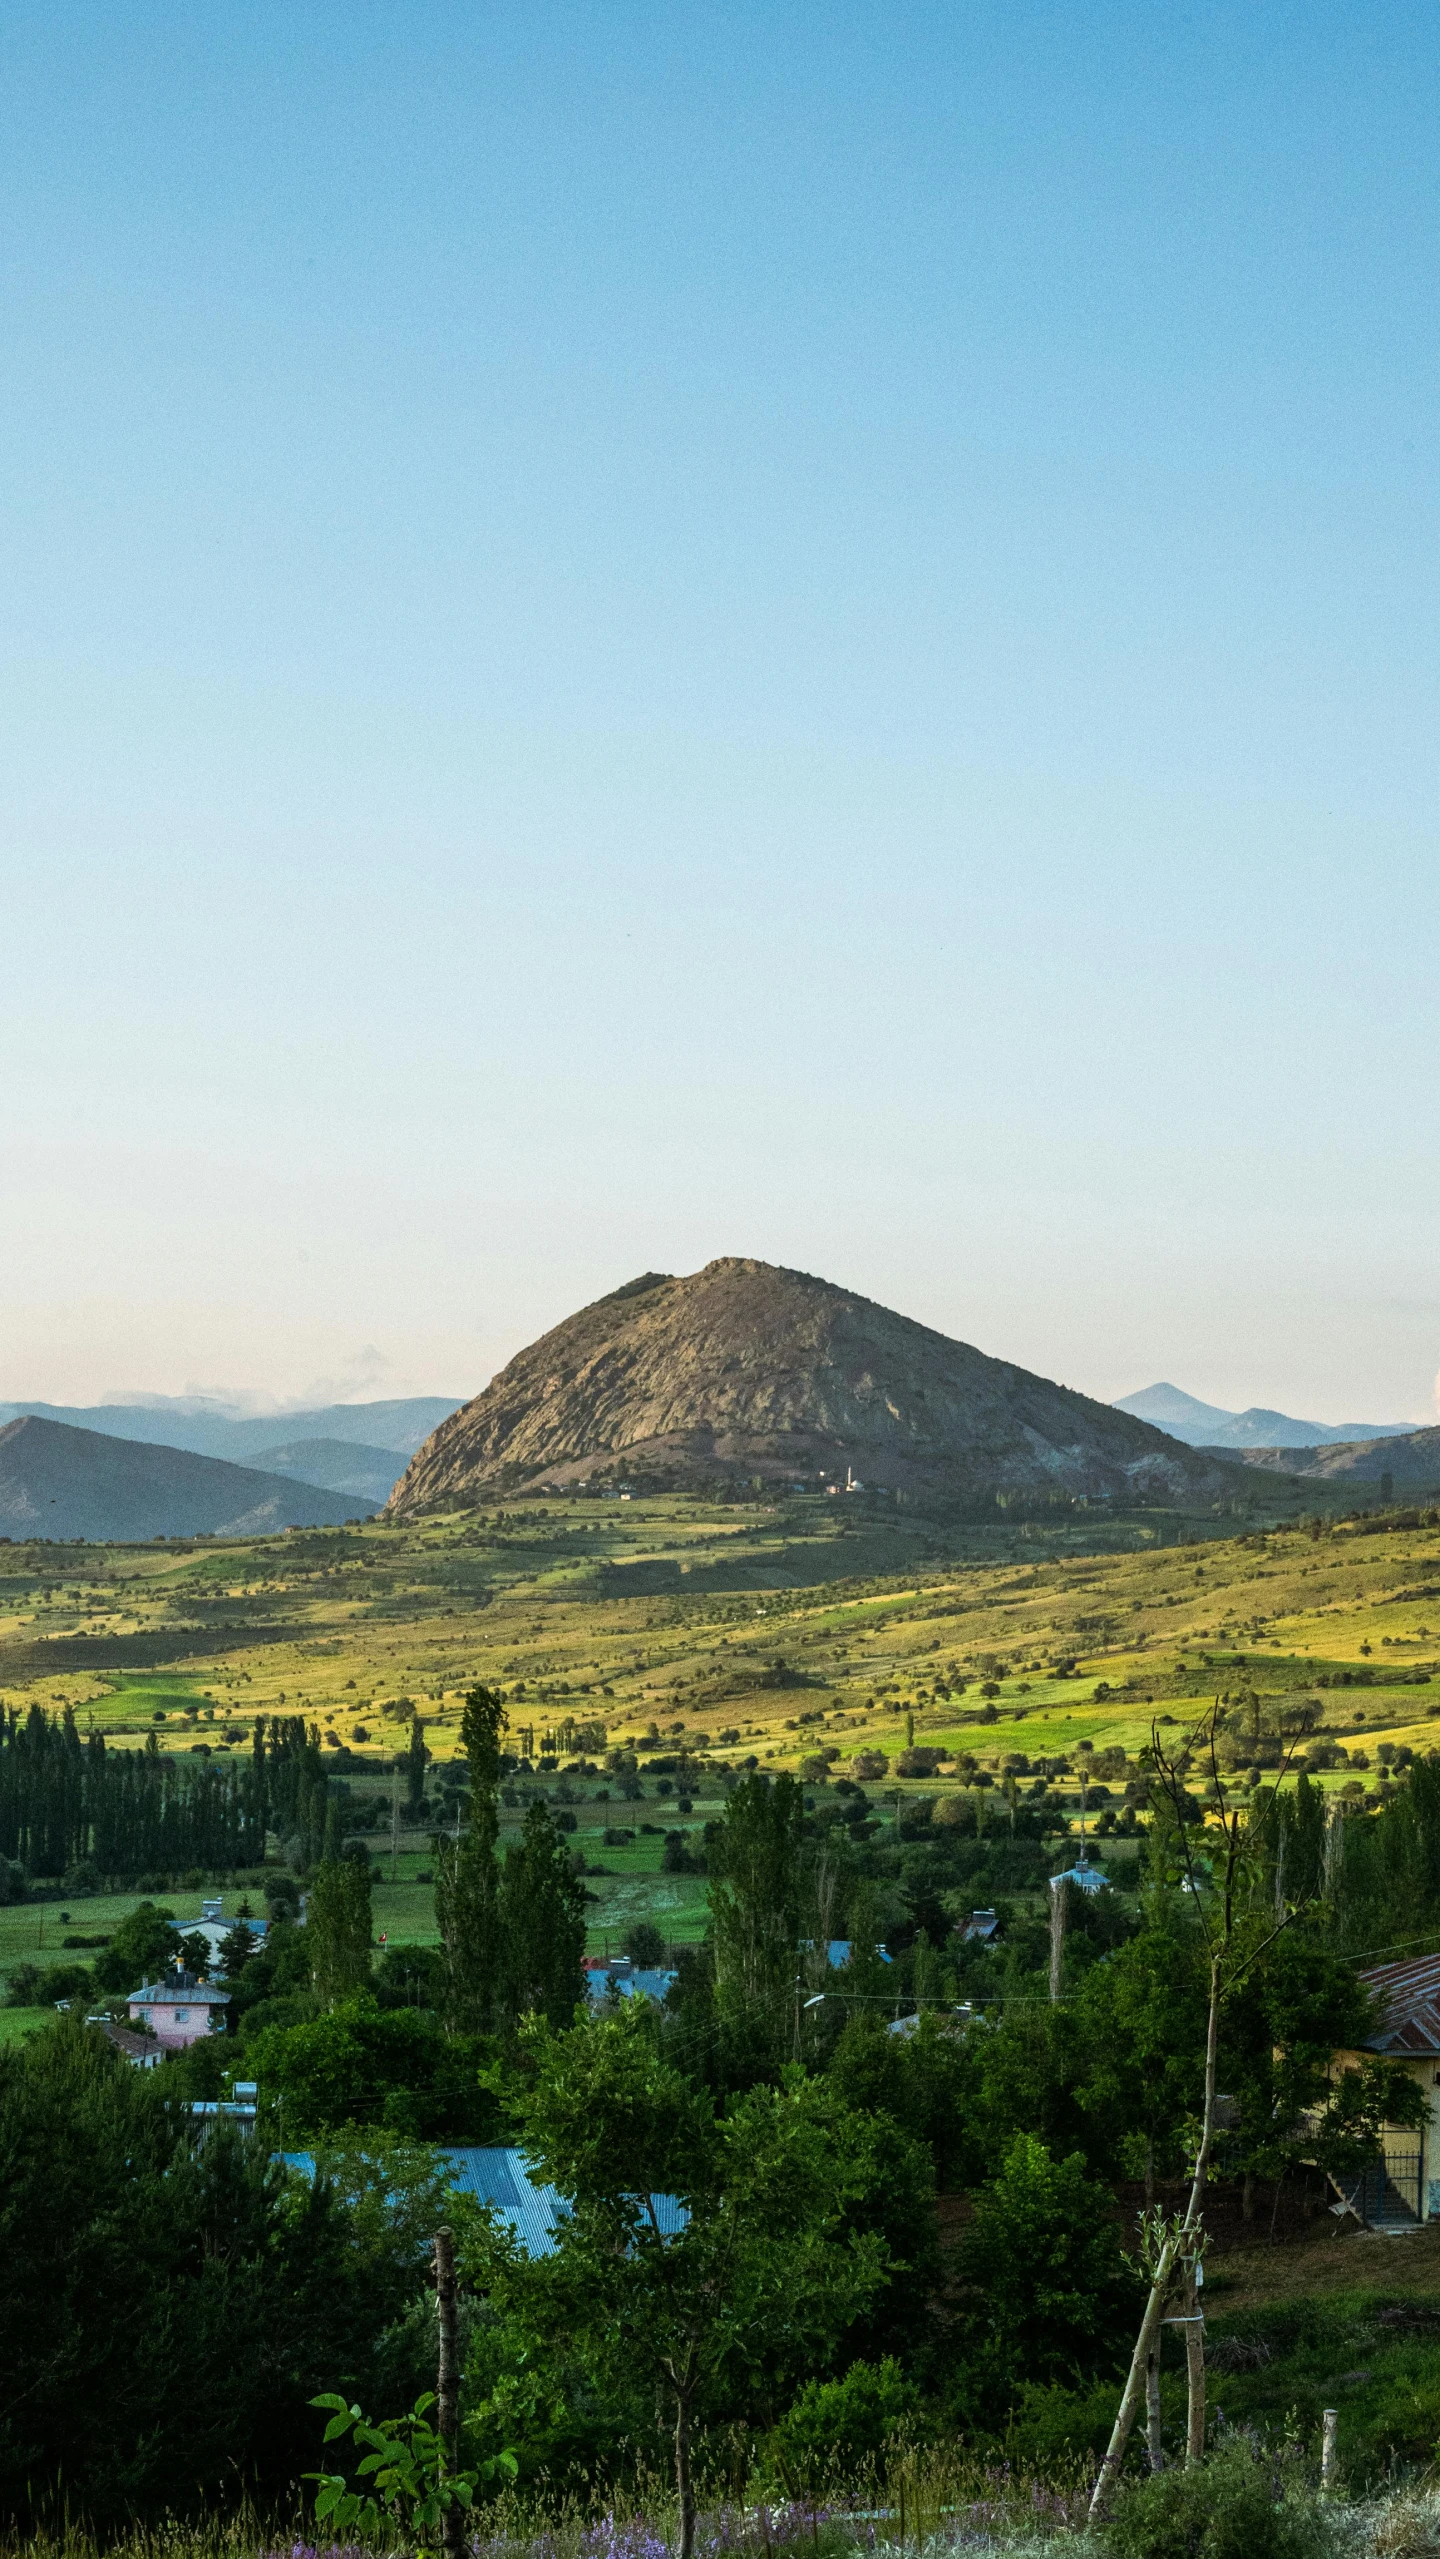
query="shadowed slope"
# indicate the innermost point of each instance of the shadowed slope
(58, 1482)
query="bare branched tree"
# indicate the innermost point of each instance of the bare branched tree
(1237, 1933)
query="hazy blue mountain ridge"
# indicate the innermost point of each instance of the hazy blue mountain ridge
(176, 1421)
(1170, 1409)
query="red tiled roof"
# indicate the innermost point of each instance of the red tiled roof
(1411, 1993)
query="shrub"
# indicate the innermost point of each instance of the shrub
(1237, 2505)
(836, 2430)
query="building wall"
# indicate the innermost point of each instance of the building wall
(1424, 2069)
(173, 2029)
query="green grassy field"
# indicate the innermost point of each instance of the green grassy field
(769, 1631)
(16, 2024)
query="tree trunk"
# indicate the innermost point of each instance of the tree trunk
(684, 2484)
(1149, 2176)
(1153, 2440)
(1194, 2371)
(1171, 2249)
(1247, 2197)
(447, 2385)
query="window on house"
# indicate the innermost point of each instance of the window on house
(180, 2016)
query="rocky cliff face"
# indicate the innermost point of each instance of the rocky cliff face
(744, 1370)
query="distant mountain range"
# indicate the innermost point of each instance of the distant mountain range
(359, 1449)
(1211, 1426)
(59, 1482)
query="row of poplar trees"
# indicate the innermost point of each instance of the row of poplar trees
(67, 1802)
(513, 1933)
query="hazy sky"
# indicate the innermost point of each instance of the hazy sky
(640, 632)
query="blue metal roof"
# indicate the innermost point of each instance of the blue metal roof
(501, 2179)
(837, 1950)
(647, 1983)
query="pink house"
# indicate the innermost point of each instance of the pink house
(179, 2009)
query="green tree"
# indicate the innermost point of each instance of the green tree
(542, 1922)
(1045, 2285)
(644, 1944)
(167, 2308)
(362, 2066)
(754, 1854)
(467, 1879)
(713, 2260)
(415, 1759)
(141, 1948)
(1140, 2022)
(236, 1948)
(338, 1928)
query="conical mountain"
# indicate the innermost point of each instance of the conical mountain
(743, 1370)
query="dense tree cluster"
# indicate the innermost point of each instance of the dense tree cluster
(69, 1804)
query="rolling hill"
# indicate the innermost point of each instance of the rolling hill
(1410, 1464)
(61, 1483)
(744, 1371)
(368, 1475)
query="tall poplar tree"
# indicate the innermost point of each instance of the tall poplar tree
(467, 1880)
(542, 1918)
(755, 1902)
(337, 1928)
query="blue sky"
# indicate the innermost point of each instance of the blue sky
(638, 632)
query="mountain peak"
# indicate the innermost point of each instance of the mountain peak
(745, 1370)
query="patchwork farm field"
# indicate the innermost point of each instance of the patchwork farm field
(826, 1636)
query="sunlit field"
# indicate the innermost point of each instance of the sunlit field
(801, 1635)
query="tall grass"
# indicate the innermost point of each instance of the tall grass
(940, 2505)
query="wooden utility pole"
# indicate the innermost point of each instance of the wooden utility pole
(394, 1822)
(447, 2385)
(1059, 1897)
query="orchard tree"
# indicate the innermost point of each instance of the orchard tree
(712, 2260)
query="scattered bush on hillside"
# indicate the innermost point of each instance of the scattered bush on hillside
(1244, 2501)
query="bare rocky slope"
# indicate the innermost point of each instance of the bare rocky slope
(58, 1482)
(743, 1370)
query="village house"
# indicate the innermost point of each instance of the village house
(179, 2009)
(1403, 2188)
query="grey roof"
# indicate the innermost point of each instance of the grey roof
(141, 2049)
(181, 1989)
(1410, 2021)
(501, 2179)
